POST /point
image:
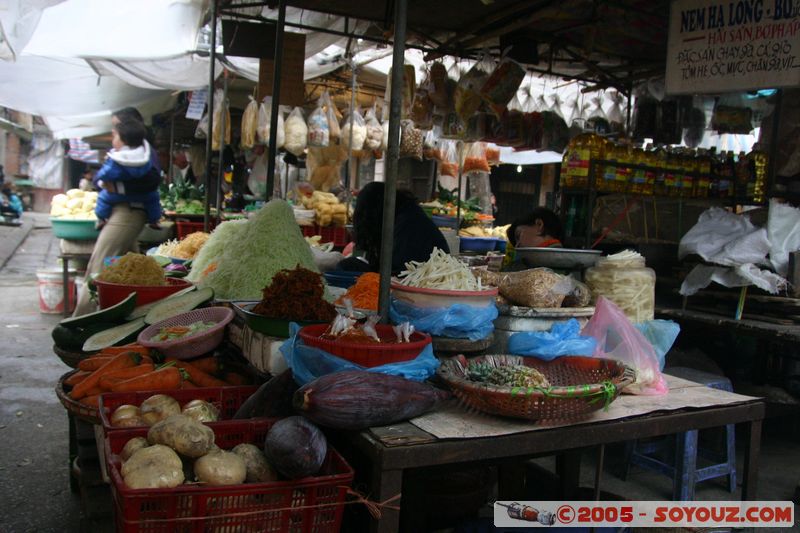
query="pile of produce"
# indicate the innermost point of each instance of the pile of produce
(133, 368)
(186, 248)
(294, 448)
(75, 204)
(183, 198)
(442, 271)
(329, 210)
(270, 242)
(296, 294)
(160, 407)
(181, 332)
(507, 375)
(206, 259)
(134, 269)
(364, 293)
(479, 231)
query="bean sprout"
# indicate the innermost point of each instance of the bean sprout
(442, 271)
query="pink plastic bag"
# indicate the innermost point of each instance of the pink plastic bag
(617, 338)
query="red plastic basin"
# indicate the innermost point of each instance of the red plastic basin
(113, 293)
(364, 354)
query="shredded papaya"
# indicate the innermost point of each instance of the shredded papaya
(364, 294)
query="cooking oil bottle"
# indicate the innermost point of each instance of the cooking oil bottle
(585, 148)
(703, 166)
(659, 187)
(742, 175)
(623, 175)
(687, 179)
(608, 183)
(651, 160)
(759, 160)
(638, 174)
(671, 178)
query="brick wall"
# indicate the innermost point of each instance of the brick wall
(12, 156)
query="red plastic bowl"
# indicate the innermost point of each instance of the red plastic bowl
(367, 355)
(113, 293)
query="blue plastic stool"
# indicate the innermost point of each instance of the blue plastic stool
(683, 470)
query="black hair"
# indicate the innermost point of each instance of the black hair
(131, 132)
(368, 218)
(128, 113)
(551, 224)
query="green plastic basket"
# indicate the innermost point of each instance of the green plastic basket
(74, 230)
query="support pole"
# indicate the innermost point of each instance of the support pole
(347, 182)
(222, 125)
(458, 192)
(773, 146)
(210, 107)
(171, 146)
(276, 97)
(392, 155)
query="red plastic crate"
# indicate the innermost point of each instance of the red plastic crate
(312, 504)
(338, 235)
(226, 399)
(185, 227)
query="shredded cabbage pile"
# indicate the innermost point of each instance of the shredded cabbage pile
(211, 252)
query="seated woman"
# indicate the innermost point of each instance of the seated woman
(415, 235)
(541, 228)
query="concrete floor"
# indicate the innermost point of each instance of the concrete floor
(34, 483)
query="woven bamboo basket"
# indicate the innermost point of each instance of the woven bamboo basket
(84, 412)
(71, 359)
(578, 386)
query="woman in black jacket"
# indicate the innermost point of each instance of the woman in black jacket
(415, 235)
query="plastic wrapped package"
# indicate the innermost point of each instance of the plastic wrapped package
(409, 85)
(422, 109)
(249, 124)
(557, 107)
(437, 90)
(492, 155)
(618, 339)
(475, 158)
(448, 166)
(467, 97)
(457, 321)
(624, 279)
(411, 140)
(333, 119)
(220, 107)
(264, 117)
(324, 166)
(430, 145)
(502, 85)
(374, 137)
(355, 123)
(616, 113)
(296, 132)
(535, 287)
(555, 133)
(319, 132)
(452, 126)
(598, 120)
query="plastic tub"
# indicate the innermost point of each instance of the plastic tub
(501, 245)
(272, 327)
(194, 345)
(367, 355)
(74, 230)
(441, 298)
(112, 293)
(342, 278)
(443, 221)
(478, 244)
(51, 291)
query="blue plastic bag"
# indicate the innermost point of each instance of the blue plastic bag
(309, 363)
(458, 321)
(662, 335)
(563, 339)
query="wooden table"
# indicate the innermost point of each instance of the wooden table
(756, 328)
(393, 450)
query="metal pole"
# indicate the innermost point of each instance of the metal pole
(458, 191)
(628, 112)
(222, 125)
(350, 142)
(210, 100)
(773, 145)
(276, 97)
(392, 155)
(171, 146)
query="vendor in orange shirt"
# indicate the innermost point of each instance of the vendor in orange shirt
(541, 228)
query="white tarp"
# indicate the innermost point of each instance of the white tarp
(46, 162)
(18, 20)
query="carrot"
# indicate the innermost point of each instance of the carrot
(76, 378)
(186, 384)
(123, 360)
(93, 363)
(198, 377)
(126, 373)
(91, 392)
(91, 401)
(168, 378)
(232, 378)
(209, 365)
(116, 350)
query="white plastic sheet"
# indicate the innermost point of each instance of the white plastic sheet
(783, 227)
(725, 239)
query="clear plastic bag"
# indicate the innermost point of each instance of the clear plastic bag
(448, 166)
(502, 85)
(319, 132)
(409, 84)
(468, 98)
(334, 131)
(535, 287)
(661, 334)
(430, 145)
(264, 118)
(458, 321)
(618, 339)
(598, 120)
(564, 338)
(249, 124)
(411, 140)
(437, 90)
(220, 107)
(296, 132)
(616, 113)
(353, 123)
(308, 363)
(492, 155)
(374, 131)
(475, 158)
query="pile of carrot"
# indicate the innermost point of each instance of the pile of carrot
(131, 368)
(364, 293)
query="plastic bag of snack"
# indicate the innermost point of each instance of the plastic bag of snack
(264, 117)
(411, 140)
(598, 120)
(374, 137)
(220, 107)
(448, 166)
(502, 85)
(616, 115)
(437, 91)
(249, 124)
(409, 84)
(296, 132)
(468, 97)
(422, 109)
(353, 128)
(318, 130)
(333, 118)
(492, 153)
(475, 158)
(430, 145)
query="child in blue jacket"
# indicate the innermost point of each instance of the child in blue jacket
(129, 165)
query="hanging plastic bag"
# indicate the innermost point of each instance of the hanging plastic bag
(264, 119)
(564, 338)
(430, 145)
(201, 132)
(437, 90)
(598, 120)
(296, 132)
(502, 85)
(333, 119)
(318, 130)
(617, 338)
(448, 166)
(422, 109)
(220, 107)
(308, 363)
(468, 96)
(249, 124)
(475, 158)
(457, 321)
(353, 123)
(492, 153)
(409, 85)
(557, 107)
(616, 115)
(411, 140)
(555, 133)
(374, 131)
(257, 177)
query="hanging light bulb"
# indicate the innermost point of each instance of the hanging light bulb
(519, 169)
